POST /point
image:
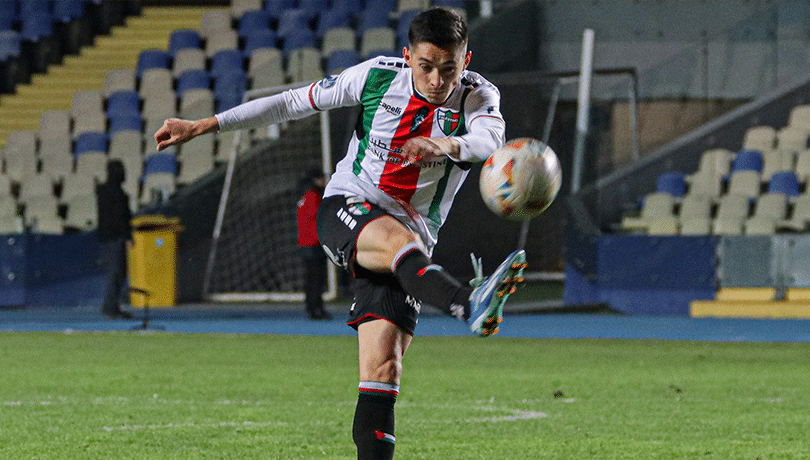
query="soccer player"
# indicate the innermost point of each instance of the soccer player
(424, 119)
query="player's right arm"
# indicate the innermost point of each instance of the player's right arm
(335, 91)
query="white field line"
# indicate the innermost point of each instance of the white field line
(166, 426)
(512, 415)
(516, 415)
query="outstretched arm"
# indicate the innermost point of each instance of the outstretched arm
(176, 131)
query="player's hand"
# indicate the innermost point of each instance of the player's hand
(174, 131)
(419, 149)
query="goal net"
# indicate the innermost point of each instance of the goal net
(254, 252)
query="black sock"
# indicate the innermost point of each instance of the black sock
(373, 427)
(429, 283)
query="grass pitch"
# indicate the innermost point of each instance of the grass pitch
(178, 396)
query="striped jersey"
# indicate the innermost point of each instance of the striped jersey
(392, 112)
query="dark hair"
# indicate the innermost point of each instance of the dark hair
(438, 26)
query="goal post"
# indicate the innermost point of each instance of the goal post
(254, 255)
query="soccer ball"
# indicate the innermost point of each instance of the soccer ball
(520, 180)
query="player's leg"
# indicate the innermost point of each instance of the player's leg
(382, 345)
(386, 241)
(385, 245)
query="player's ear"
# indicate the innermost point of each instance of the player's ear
(467, 58)
(406, 53)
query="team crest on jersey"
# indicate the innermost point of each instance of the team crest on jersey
(448, 120)
(358, 206)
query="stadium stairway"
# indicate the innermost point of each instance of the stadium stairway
(120, 49)
(754, 303)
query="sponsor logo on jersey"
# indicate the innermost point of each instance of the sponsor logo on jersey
(328, 82)
(448, 120)
(419, 117)
(397, 111)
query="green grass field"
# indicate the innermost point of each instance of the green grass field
(176, 396)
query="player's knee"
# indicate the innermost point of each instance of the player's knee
(389, 371)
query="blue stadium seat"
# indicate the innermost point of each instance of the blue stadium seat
(193, 79)
(8, 15)
(292, 21)
(340, 60)
(784, 182)
(673, 183)
(229, 89)
(34, 7)
(153, 59)
(160, 163)
(384, 52)
(227, 61)
(252, 21)
(403, 24)
(313, 7)
(260, 39)
(747, 160)
(125, 122)
(10, 44)
(333, 18)
(13, 69)
(183, 39)
(35, 28)
(68, 10)
(90, 141)
(358, 5)
(449, 3)
(274, 7)
(302, 39)
(373, 16)
(123, 102)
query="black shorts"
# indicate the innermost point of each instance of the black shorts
(376, 295)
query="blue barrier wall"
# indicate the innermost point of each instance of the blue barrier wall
(643, 275)
(50, 270)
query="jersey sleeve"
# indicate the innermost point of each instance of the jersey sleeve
(334, 91)
(486, 129)
(340, 90)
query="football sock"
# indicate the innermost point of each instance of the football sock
(373, 427)
(429, 283)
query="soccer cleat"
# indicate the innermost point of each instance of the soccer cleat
(489, 295)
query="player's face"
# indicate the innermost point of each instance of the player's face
(436, 71)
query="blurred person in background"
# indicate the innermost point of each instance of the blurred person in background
(114, 231)
(312, 186)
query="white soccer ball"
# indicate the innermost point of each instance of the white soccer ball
(521, 179)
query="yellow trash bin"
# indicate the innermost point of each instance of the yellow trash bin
(152, 259)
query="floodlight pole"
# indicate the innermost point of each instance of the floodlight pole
(583, 109)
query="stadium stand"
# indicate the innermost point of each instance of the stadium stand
(91, 141)
(673, 183)
(184, 39)
(260, 39)
(338, 39)
(81, 212)
(340, 60)
(153, 59)
(188, 59)
(266, 68)
(227, 62)
(252, 44)
(76, 185)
